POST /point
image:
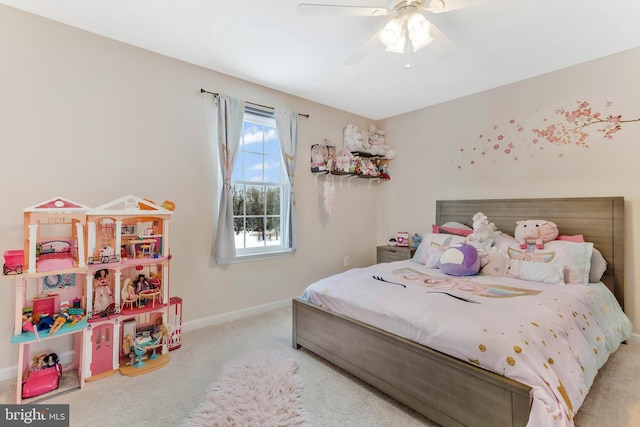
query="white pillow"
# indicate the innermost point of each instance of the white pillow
(536, 272)
(575, 258)
(432, 246)
(598, 266)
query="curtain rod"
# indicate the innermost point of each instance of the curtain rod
(252, 103)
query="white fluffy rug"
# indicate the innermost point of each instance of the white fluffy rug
(259, 388)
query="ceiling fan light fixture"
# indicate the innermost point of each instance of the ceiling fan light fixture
(419, 29)
(417, 23)
(392, 33)
(420, 42)
(398, 47)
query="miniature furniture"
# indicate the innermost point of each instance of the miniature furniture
(175, 323)
(145, 244)
(150, 294)
(130, 301)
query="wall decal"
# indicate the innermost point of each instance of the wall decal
(570, 129)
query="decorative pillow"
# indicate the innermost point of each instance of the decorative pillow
(578, 238)
(460, 260)
(598, 266)
(574, 258)
(536, 272)
(492, 262)
(452, 228)
(432, 246)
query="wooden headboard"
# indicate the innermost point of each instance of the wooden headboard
(599, 219)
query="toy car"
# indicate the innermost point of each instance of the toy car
(41, 381)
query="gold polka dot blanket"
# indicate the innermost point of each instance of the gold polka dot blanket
(553, 338)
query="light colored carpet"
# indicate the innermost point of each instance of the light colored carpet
(330, 397)
(257, 389)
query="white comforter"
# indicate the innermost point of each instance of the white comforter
(552, 338)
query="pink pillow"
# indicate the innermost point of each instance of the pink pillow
(578, 238)
(448, 230)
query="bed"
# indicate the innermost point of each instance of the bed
(447, 389)
(55, 255)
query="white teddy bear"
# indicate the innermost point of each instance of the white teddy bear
(354, 140)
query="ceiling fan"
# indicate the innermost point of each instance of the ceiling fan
(408, 30)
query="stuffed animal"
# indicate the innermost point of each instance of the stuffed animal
(483, 231)
(343, 162)
(460, 259)
(353, 139)
(377, 145)
(376, 141)
(492, 262)
(536, 232)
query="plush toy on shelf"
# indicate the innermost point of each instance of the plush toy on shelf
(354, 140)
(377, 144)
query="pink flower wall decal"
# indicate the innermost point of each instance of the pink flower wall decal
(573, 129)
(570, 128)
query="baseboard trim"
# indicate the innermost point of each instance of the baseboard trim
(234, 315)
(634, 339)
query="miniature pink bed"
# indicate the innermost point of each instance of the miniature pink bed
(55, 255)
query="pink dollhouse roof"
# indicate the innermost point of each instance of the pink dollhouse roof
(57, 204)
(129, 205)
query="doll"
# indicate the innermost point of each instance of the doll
(103, 294)
(142, 285)
(132, 348)
(60, 320)
(160, 330)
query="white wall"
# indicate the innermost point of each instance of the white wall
(91, 119)
(430, 142)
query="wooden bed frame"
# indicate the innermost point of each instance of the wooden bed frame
(447, 390)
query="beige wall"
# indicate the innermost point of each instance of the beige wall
(91, 120)
(430, 140)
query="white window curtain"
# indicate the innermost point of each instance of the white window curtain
(228, 115)
(287, 125)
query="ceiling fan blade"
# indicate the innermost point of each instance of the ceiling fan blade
(441, 46)
(343, 10)
(442, 6)
(362, 51)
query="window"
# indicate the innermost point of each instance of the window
(260, 188)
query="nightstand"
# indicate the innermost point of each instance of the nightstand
(388, 253)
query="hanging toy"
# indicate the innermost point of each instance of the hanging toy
(329, 195)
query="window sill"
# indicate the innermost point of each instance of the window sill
(261, 256)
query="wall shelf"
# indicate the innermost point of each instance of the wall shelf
(341, 176)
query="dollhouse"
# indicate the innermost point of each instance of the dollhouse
(97, 277)
(127, 285)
